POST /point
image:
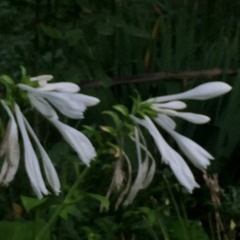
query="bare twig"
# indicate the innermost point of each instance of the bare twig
(152, 77)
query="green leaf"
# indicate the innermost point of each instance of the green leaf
(103, 200)
(30, 203)
(193, 230)
(122, 109)
(114, 116)
(51, 32)
(6, 80)
(24, 230)
(150, 214)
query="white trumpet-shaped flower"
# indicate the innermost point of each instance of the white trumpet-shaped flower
(9, 149)
(70, 104)
(166, 108)
(194, 152)
(63, 96)
(146, 169)
(31, 161)
(203, 92)
(78, 141)
(169, 155)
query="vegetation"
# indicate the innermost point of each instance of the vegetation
(115, 51)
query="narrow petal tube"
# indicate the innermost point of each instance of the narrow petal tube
(167, 120)
(49, 169)
(78, 141)
(170, 105)
(61, 87)
(190, 117)
(30, 158)
(194, 152)
(42, 79)
(71, 105)
(169, 155)
(203, 92)
(145, 170)
(41, 105)
(11, 149)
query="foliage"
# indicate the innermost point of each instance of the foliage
(85, 42)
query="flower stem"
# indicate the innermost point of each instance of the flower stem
(58, 210)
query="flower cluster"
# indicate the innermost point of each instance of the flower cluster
(166, 108)
(45, 98)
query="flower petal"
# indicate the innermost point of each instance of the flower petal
(71, 105)
(49, 169)
(31, 161)
(203, 92)
(194, 152)
(167, 120)
(61, 87)
(78, 141)
(42, 79)
(170, 105)
(42, 106)
(169, 155)
(190, 117)
(12, 150)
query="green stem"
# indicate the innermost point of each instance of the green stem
(58, 210)
(176, 208)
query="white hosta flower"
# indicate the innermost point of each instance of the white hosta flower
(169, 155)
(146, 170)
(31, 161)
(203, 92)
(167, 107)
(78, 141)
(59, 86)
(194, 152)
(63, 96)
(70, 104)
(9, 149)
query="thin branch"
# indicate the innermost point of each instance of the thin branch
(152, 77)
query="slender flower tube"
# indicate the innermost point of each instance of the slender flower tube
(203, 92)
(69, 104)
(63, 96)
(30, 158)
(9, 149)
(194, 152)
(167, 107)
(78, 141)
(48, 167)
(169, 155)
(146, 170)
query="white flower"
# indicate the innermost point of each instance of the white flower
(146, 170)
(42, 79)
(78, 141)
(167, 107)
(70, 104)
(169, 155)
(9, 149)
(194, 152)
(31, 161)
(63, 96)
(203, 92)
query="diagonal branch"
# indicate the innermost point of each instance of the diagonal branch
(151, 77)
